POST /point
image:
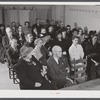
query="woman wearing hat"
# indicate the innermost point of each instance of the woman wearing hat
(28, 70)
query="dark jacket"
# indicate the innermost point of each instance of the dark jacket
(62, 44)
(44, 57)
(92, 51)
(2, 33)
(22, 41)
(29, 44)
(12, 56)
(29, 73)
(5, 42)
(38, 30)
(57, 72)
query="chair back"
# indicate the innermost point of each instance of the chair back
(79, 70)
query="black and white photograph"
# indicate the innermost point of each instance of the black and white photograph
(47, 46)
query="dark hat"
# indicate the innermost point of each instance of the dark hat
(58, 32)
(24, 51)
(74, 29)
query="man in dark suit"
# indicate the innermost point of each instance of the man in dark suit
(6, 43)
(36, 28)
(6, 39)
(29, 40)
(13, 52)
(28, 70)
(58, 68)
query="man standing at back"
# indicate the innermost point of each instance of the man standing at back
(36, 28)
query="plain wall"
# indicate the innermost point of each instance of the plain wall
(1, 19)
(83, 15)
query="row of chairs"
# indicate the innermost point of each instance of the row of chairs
(12, 72)
(79, 71)
(13, 75)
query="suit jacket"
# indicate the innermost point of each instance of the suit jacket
(38, 29)
(29, 73)
(22, 41)
(12, 56)
(5, 42)
(44, 52)
(57, 72)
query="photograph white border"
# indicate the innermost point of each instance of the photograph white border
(49, 93)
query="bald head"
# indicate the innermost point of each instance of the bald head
(57, 51)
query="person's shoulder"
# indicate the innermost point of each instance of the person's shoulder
(71, 47)
(79, 45)
(19, 64)
(34, 25)
(4, 37)
(9, 49)
(63, 57)
(50, 59)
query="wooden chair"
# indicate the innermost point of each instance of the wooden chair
(13, 75)
(12, 72)
(15, 78)
(79, 70)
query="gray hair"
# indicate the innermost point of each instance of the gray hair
(55, 48)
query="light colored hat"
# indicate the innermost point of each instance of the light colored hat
(24, 51)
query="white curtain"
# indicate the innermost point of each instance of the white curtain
(1, 19)
(23, 16)
(20, 16)
(42, 14)
(32, 16)
(10, 16)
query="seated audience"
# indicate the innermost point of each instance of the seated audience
(2, 32)
(36, 28)
(59, 69)
(43, 32)
(51, 31)
(27, 27)
(59, 41)
(7, 38)
(44, 60)
(76, 50)
(75, 53)
(91, 33)
(44, 52)
(68, 31)
(57, 25)
(64, 34)
(13, 52)
(29, 40)
(80, 35)
(62, 26)
(47, 41)
(28, 70)
(6, 43)
(20, 35)
(85, 43)
(92, 51)
(14, 27)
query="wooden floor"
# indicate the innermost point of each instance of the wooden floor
(5, 82)
(89, 85)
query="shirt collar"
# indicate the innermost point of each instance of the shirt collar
(56, 59)
(74, 45)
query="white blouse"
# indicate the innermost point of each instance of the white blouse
(76, 52)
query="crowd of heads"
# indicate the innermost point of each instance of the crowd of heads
(50, 31)
(55, 36)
